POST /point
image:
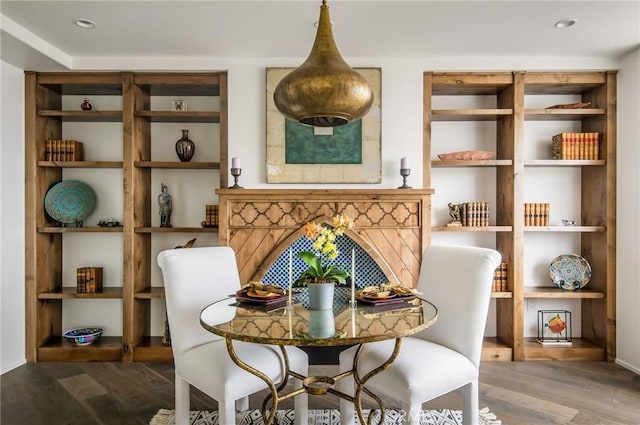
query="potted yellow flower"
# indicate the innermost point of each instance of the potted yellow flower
(321, 276)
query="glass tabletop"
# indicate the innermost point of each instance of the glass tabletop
(303, 327)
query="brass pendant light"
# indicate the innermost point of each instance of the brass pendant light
(324, 91)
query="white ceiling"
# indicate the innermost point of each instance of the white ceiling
(40, 34)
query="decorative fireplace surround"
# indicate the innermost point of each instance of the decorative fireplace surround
(392, 226)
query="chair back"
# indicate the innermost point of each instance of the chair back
(193, 279)
(458, 281)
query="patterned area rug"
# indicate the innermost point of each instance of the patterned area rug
(325, 417)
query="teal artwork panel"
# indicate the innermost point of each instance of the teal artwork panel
(302, 146)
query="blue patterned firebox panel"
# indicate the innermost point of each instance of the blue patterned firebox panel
(367, 271)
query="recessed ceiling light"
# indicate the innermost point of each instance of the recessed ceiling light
(565, 23)
(84, 23)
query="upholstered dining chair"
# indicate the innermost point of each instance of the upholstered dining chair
(193, 279)
(446, 356)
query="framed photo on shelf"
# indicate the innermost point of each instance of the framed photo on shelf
(298, 153)
(178, 105)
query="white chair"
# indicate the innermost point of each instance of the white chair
(446, 356)
(193, 279)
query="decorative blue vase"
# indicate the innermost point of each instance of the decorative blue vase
(321, 295)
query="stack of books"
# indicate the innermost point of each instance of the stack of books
(474, 213)
(63, 150)
(501, 278)
(536, 214)
(212, 216)
(89, 280)
(575, 146)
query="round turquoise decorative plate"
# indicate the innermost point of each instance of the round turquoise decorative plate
(70, 201)
(570, 271)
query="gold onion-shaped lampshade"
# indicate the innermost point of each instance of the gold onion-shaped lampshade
(324, 91)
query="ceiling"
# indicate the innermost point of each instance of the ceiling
(40, 35)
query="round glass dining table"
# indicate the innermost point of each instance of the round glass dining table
(282, 325)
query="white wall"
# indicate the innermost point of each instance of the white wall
(12, 336)
(628, 220)
(401, 134)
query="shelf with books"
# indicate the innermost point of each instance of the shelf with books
(472, 228)
(57, 229)
(80, 164)
(481, 163)
(68, 292)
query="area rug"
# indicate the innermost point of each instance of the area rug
(325, 417)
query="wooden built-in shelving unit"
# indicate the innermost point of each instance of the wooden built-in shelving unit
(508, 93)
(45, 259)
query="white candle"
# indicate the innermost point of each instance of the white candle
(290, 277)
(353, 275)
(235, 162)
(404, 163)
(353, 323)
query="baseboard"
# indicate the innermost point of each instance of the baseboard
(10, 367)
(626, 365)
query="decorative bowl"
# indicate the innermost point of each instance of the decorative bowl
(569, 223)
(570, 272)
(83, 336)
(70, 201)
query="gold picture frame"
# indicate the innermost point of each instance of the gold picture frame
(368, 170)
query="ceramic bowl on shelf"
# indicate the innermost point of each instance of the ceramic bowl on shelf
(83, 336)
(568, 223)
(570, 272)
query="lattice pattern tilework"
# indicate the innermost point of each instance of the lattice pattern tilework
(367, 271)
(293, 214)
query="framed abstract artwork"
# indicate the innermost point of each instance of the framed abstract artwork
(298, 153)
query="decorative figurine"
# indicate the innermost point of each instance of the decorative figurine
(454, 212)
(86, 106)
(164, 201)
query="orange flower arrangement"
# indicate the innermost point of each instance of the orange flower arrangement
(324, 246)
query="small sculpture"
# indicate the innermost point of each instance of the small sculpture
(86, 106)
(164, 201)
(454, 212)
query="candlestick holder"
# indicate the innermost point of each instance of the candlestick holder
(404, 172)
(235, 172)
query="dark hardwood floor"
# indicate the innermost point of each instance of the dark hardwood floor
(116, 393)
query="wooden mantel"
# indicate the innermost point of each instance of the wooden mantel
(392, 225)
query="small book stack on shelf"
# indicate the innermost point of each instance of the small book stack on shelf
(501, 278)
(63, 150)
(575, 146)
(89, 280)
(474, 214)
(212, 216)
(536, 214)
